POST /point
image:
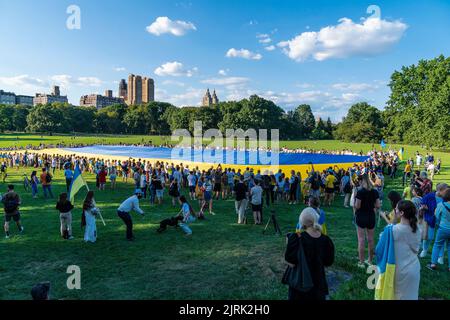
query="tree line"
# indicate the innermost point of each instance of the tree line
(417, 112)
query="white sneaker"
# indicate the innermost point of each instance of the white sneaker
(6, 237)
(441, 260)
(423, 254)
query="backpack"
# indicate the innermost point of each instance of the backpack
(48, 178)
(348, 187)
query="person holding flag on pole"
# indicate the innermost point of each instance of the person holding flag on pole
(132, 203)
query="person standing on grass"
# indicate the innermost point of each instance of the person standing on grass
(443, 231)
(367, 202)
(65, 207)
(34, 184)
(318, 251)
(346, 187)
(192, 182)
(329, 188)
(256, 200)
(240, 192)
(428, 206)
(46, 181)
(174, 191)
(11, 202)
(406, 173)
(113, 176)
(131, 204)
(68, 173)
(90, 212)
(102, 173)
(406, 238)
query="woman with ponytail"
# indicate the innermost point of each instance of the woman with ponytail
(406, 245)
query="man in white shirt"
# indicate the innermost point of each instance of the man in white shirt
(256, 201)
(132, 203)
(192, 180)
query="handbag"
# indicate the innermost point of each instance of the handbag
(299, 277)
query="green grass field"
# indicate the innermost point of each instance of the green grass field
(222, 260)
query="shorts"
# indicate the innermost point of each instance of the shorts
(208, 196)
(112, 177)
(329, 190)
(231, 185)
(159, 193)
(15, 217)
(365, 221)
(192, 189)
(314, 193)
(217, 187)
(256, 207)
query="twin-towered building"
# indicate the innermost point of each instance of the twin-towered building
(209, 100)
(138, 90)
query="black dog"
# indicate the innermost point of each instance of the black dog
(170, 222)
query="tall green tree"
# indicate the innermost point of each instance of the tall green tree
(304, 120)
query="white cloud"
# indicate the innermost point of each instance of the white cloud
(229, 81)
(262, 35)
(67, 81)
(23, 80)
(164, 25)
(223, 72)
(265, 41)
(355, 87)
(243, 53)
(174, 69)
(370, 37)
(190, 97)
(270, 48)
(119, 69)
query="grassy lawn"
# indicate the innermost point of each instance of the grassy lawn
(222, 260)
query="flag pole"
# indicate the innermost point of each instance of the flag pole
(99, 213)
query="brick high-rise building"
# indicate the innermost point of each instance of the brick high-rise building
(140, 90)
(148, 90)
(55, 96)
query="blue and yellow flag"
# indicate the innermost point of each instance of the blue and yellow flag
(386, 266)
(401, 153)
(77, 183)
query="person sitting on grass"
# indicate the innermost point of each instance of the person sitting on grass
(11, 202)
(188, 216)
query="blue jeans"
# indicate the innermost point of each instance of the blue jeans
(47, 190)
(442, 237)
(34, 189)
(185, 225)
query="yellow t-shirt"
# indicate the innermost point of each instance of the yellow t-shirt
(329, 181)
(407, 168)
(407, 193)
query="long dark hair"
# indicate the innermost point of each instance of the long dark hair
(409, 212)
(395, 198)
(62, 198)
(87, 204)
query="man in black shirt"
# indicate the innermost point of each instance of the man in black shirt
(240, 191)
(11, 202)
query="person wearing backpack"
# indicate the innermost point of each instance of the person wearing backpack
(11, 202)
(308, 253)
(46, 181)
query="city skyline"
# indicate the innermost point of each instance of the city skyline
(326, 55)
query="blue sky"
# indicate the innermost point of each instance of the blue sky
(325, 53)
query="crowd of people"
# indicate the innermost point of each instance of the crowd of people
(419, 215)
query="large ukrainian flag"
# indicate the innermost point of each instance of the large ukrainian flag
(77, 183)
(386, 266)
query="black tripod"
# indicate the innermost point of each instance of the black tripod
(273, 219)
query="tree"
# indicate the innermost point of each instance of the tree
(304, 120)
(45, 118)
(109, 119)
(418, 110)
(363, 123)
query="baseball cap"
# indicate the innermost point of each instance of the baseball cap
(138, 191)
